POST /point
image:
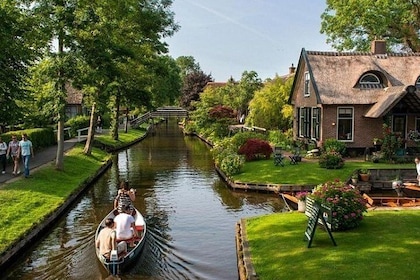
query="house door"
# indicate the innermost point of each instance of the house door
(399, 125)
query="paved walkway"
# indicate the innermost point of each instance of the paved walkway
(41, 157)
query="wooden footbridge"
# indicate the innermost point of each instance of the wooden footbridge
(161, 112)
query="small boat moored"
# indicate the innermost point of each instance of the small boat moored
(116, 264)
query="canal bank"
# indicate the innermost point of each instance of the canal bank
(45, 158)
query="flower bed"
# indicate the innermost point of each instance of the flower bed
(347, 204)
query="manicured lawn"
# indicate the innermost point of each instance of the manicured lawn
(306, 172)
(384, 246)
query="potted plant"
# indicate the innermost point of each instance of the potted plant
(364, 174)
(355, 178)
(301, 196)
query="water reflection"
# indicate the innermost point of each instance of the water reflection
(190, 212)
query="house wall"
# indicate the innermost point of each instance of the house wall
(365, 129)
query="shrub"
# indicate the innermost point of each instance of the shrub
(231, 164)
(332, 144)
(331, 160)
(253, 148)
(220, 112)
(76, 123)
(240, 138)
(347, 204)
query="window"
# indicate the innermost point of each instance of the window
(418, 83)
(418, 124)
(307, 84)
(316, 119)
(370, 80)
(345, 124)
(305, 122)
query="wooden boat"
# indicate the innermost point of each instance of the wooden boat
(391, 201)
(411, 190)
(115, 265)
(290, 201)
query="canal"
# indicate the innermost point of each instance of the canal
(190, 212)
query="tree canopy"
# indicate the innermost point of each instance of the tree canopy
(352, 25)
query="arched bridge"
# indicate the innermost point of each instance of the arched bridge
(161, 112)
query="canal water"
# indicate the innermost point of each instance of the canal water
(190, 212)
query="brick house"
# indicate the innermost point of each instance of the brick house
(348, 96)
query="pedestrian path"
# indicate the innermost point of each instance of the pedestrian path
(41, 157)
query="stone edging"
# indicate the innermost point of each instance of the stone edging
(246, 270)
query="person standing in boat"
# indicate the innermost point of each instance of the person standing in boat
(107, 240)
(417, 161)
(125, 197)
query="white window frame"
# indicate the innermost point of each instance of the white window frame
(307, 84)
(316, 123)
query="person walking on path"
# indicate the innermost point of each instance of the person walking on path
(3, 152)
(26, 151)
(12, 151)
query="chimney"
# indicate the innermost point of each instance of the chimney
(378, 47)
(292, 69)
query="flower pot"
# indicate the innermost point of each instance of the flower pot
(354, 181)
(301, 206)
(364, 177)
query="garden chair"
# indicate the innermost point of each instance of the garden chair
(295, 158)
(278, 156)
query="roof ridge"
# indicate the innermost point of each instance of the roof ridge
(336, 53)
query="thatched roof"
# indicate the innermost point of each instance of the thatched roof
(335, 75)
(74, 96)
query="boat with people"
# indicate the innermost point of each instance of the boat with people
(116, 263)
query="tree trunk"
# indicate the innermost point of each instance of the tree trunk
(126, 120)
(59, 160)
(116, 117)
(91, 132)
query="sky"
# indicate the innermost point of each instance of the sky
(228, 37)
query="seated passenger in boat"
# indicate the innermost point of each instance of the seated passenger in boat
(107, 240)
(125, 225)
(125, 196)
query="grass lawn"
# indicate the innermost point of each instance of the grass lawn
(384, 246)
(306, 172)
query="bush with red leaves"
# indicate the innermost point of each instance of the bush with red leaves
(220, 112)
(254, 148)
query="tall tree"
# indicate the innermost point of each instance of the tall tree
(269, 108)
(352, 25)
(15, 56)
(187, 65)
(193, 85)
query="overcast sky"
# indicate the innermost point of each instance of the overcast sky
(228, 37)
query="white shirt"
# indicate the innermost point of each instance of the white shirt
(3, 148)
(123, 229)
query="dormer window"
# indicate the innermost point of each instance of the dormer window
(370, 80)
(418, 83)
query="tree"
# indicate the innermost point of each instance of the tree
(187, 65)
(352, 25)
(269, 108)
(242, 92)
(193, 85)
(15, 57)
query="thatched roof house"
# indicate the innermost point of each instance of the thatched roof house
(349, 95)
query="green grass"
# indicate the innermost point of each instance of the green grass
(306, 172)
(26, 202)
(123, 138)
(384, 246)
